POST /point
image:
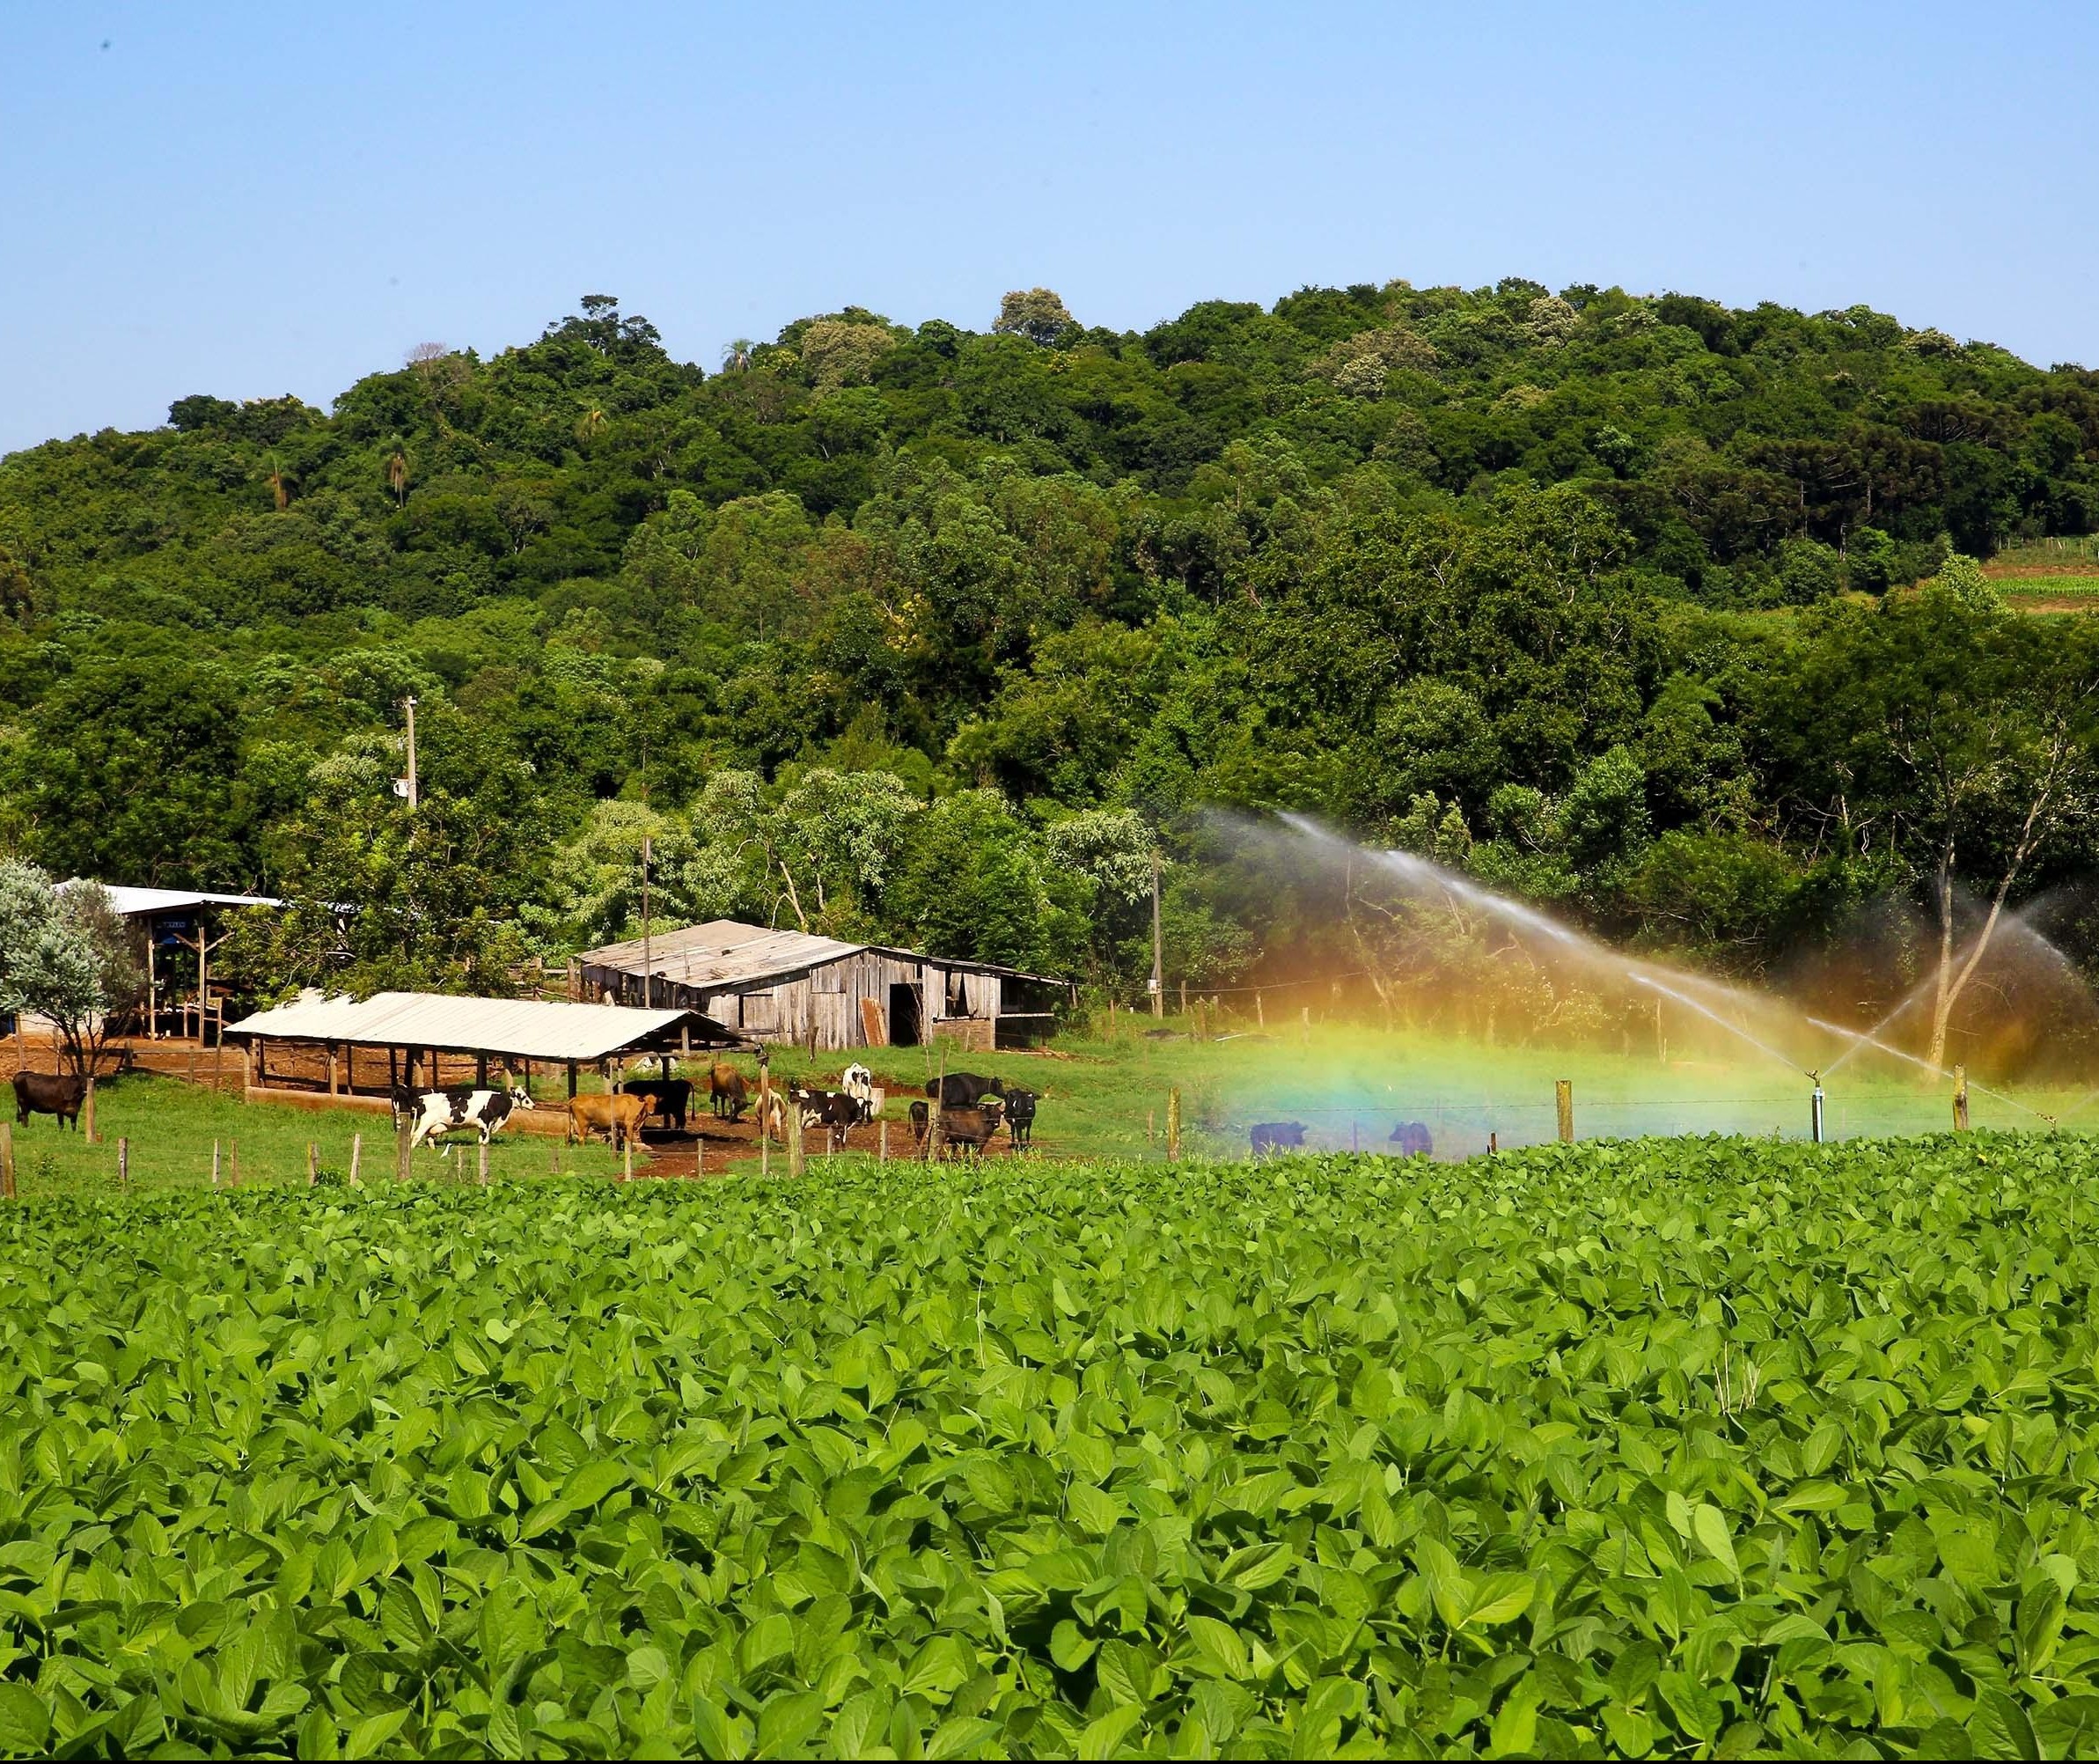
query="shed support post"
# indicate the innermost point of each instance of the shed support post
(334, 1073)
(571, 1081)
(481, 1070)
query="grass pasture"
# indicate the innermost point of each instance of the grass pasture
(1103, 1098)
(1666, 1449)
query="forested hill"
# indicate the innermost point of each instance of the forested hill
(937, 631)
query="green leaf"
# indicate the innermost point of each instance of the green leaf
(714, 1735)
(1630, 1729)
(785, 1722)
(1070, 1646)
(1999, 1727)
(1258, 1565)
(1710, 1525)
(592, 1484)
(1696, 1709)
(24, 1723)
(1124, 1673)
(2039, 1621)
(373, 1732)
(1499, 1599)
(1515, 1729)
(1103, 1738)
(1446, 1581)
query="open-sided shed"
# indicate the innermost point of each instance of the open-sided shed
(317, 1039)
(181, 928)
(775, 986)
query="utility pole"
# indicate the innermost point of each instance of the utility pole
(647, 963)
(1158, 953)
(407, 705)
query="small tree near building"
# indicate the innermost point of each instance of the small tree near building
(68, 957)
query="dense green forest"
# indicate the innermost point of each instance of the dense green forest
(938, 633)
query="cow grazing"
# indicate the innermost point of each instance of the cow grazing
(619, 1117)
(1412, 1139)
(673, 1096)
(859, 1083)
(1270, 1136)
(1020, 1115)
(964, 1089)
(441, 1112)
(48, 1093)
(729, 1091)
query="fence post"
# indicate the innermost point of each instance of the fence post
(312, 1165)
(7, 1160)
(553, 1161)
(1261, 1017)
(482, 1169)
(881, 1144)
(1960, 1098)
(1563, 1102)
(797, 1153)
(215, 1164)
(699, 1157)
(402, 1151)
(1173, 1125)
(87, 1113)
(1304, 1021)
(626, 1156)
(232, 1164)
(356, 1156)
(123, 1162)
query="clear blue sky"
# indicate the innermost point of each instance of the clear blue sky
(247, 200)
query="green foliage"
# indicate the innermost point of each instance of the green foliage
(1609, 1451)
(1363, 547)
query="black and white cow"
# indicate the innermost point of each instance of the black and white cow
(859, 1083)
(443, 1112)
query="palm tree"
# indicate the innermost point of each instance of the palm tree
(280, 486)
(738, 355)
(589, 426)
(397, 476)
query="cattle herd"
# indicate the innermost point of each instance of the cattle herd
(973, 1108)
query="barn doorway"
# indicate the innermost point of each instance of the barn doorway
(907, 1016)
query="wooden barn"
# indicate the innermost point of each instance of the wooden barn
(790, 986)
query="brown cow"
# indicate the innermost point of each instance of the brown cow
(966, 1129)
(730, 1091)
(48, 1093)
(618, 1117)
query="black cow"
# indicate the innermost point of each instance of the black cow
(964, 1089)
(48, 1093)
(1020, 1114)
(833, 1111)
(921, 1122)
(1270, 1136)
(672, 1096)
(1413, 1138)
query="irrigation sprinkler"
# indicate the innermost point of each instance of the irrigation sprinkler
(1815, 1109)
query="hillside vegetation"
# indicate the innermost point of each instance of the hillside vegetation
(938, 633)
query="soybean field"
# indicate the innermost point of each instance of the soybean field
(1654, 1448)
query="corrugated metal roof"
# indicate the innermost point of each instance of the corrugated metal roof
(133, 902)
(727, 952)
(723, 953)
(530, 1028)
